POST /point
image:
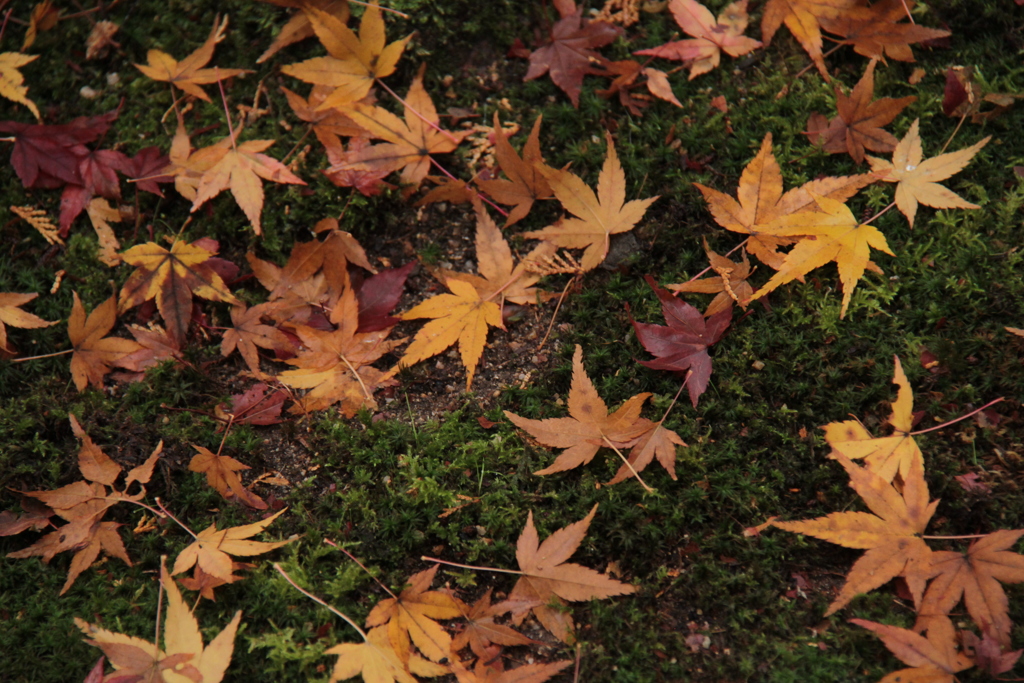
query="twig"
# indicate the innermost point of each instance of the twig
(320, 602)
(962, 417)
(45, 355)
(555, 314)
(361, 566)
(954, 538)
(470, 566)
(953, 134)
(627, 464)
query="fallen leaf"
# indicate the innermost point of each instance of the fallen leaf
(657, 442)
(710, 37)
(257, 405)
(221, 474)
(327, 123)
(299, 27)
(569, 51)
(146, 170)
(188, 74)
(682, 346)
(729, 286)
(598, 217)
(94, 353)
(212, 549)
(377, 661)
(525, 184)
(917, 179)
(802, 18)
(549, 579)
(100, 38)
(101, 215)
(411, 616)
(11, 314)
(988, 653)
(589, 426)
(934, 659)
(247, 331)
(44, 16)
(12, 82)
(378, 295)
(481, 631)
(46, 157)
(877, 31)
(484, 672)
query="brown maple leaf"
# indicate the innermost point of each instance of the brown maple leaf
(891, 536)
(188, 74)
(482, 632)
(803, 19)
(878, 31)
(710, 37)
(257, 405)
(221, 474)
(11, 314)
(499, 275)
(625, 74)
(761, 200)
(859, 123)
(569, 51)
(524, 184)
(934, 659)
(729, 286)
(598, 217)
(327, 124)
(975, 576)
(488, 671)
(409, 143)
(172, 277)
(589, 426)
(212, 549)
(353, 62)
(411, 615)
(156, 347)
(548, 579)
(247, 331)
(299, 27)
(886, 456)
(94, 352)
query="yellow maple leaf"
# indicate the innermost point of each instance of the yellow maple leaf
(12, 83)
(188, 74)
(11, 314)
(916, 178)
(837, 236)
(378, 662)
(462, 317)
(411, 616)
(353, 62)
(212, 549)
(598, 217)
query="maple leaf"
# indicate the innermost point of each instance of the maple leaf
(378, 295)
(625, 73)
(100, 38)
(934, 659)
(94, 353)
(299, 26)
(353, 62)
(346, 171)
(183, 657)
(589, 426)
(11, 314)
(460, 317)
(156, 347)
(44, 17)
(212, 549)
(524, 184)
(682, 346)
(254, 406)
(408, 144)
(47, 157)
(877, 32)
(975, 576)
(838, 236)
(172, 277)
(859, 123)
(336, 366)
(97, 170)
(547, 578)
(101, 215)
(598, 216)
(145, 169)
(761, 201)
(12, 83)
(188, 74)
(916, 178)
(484, 672)
(328, 123)
(411, 615)
(498, 274)
(891, 536)
(729, 286)
(886, 456)
(481, 631)
(989, 655)
(569, 51)
(221, 475)
(247, 331)
(710, 38)
(802, 18)
(377, 661)
(657, 442)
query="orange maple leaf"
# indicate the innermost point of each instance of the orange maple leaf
(408, 144)
(221, 474)
(729, 286)
(188, 74)
(481, 632)
(803, 19)
(411, 615)
(375, 658)
(547, 578)
(525, 184)
(353, 62)
(710, 37)
(859, 123)
(299, 26)
(916, 177)
(589, 426)
(12, 81)
(11, 314)
(212, 549)
(934, 659)
(247, 331)
(891, 536)
(94, 353)
(877, 31)
(598, 216)
(488, 671)
(172, 277)
(461, 317)
(761, 200)
(327, 124)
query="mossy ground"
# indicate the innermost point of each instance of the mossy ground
(379, 487)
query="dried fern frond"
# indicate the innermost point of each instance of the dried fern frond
(38, 219)
(553, 264)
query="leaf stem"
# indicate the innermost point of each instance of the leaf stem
(875, 217)
(954, 538)
(727, 254)
(962, 417)
(470, 566)
(168, 513)
(628, 464)
(554, 315)
(383, 9)
(366, 392)
(320, 602)
(45, 355)
(479, 194)
(227, 429)
(361, 566)
(953, 134)
(419, 115)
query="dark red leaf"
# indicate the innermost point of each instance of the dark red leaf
(144, 170)
(378, 296)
